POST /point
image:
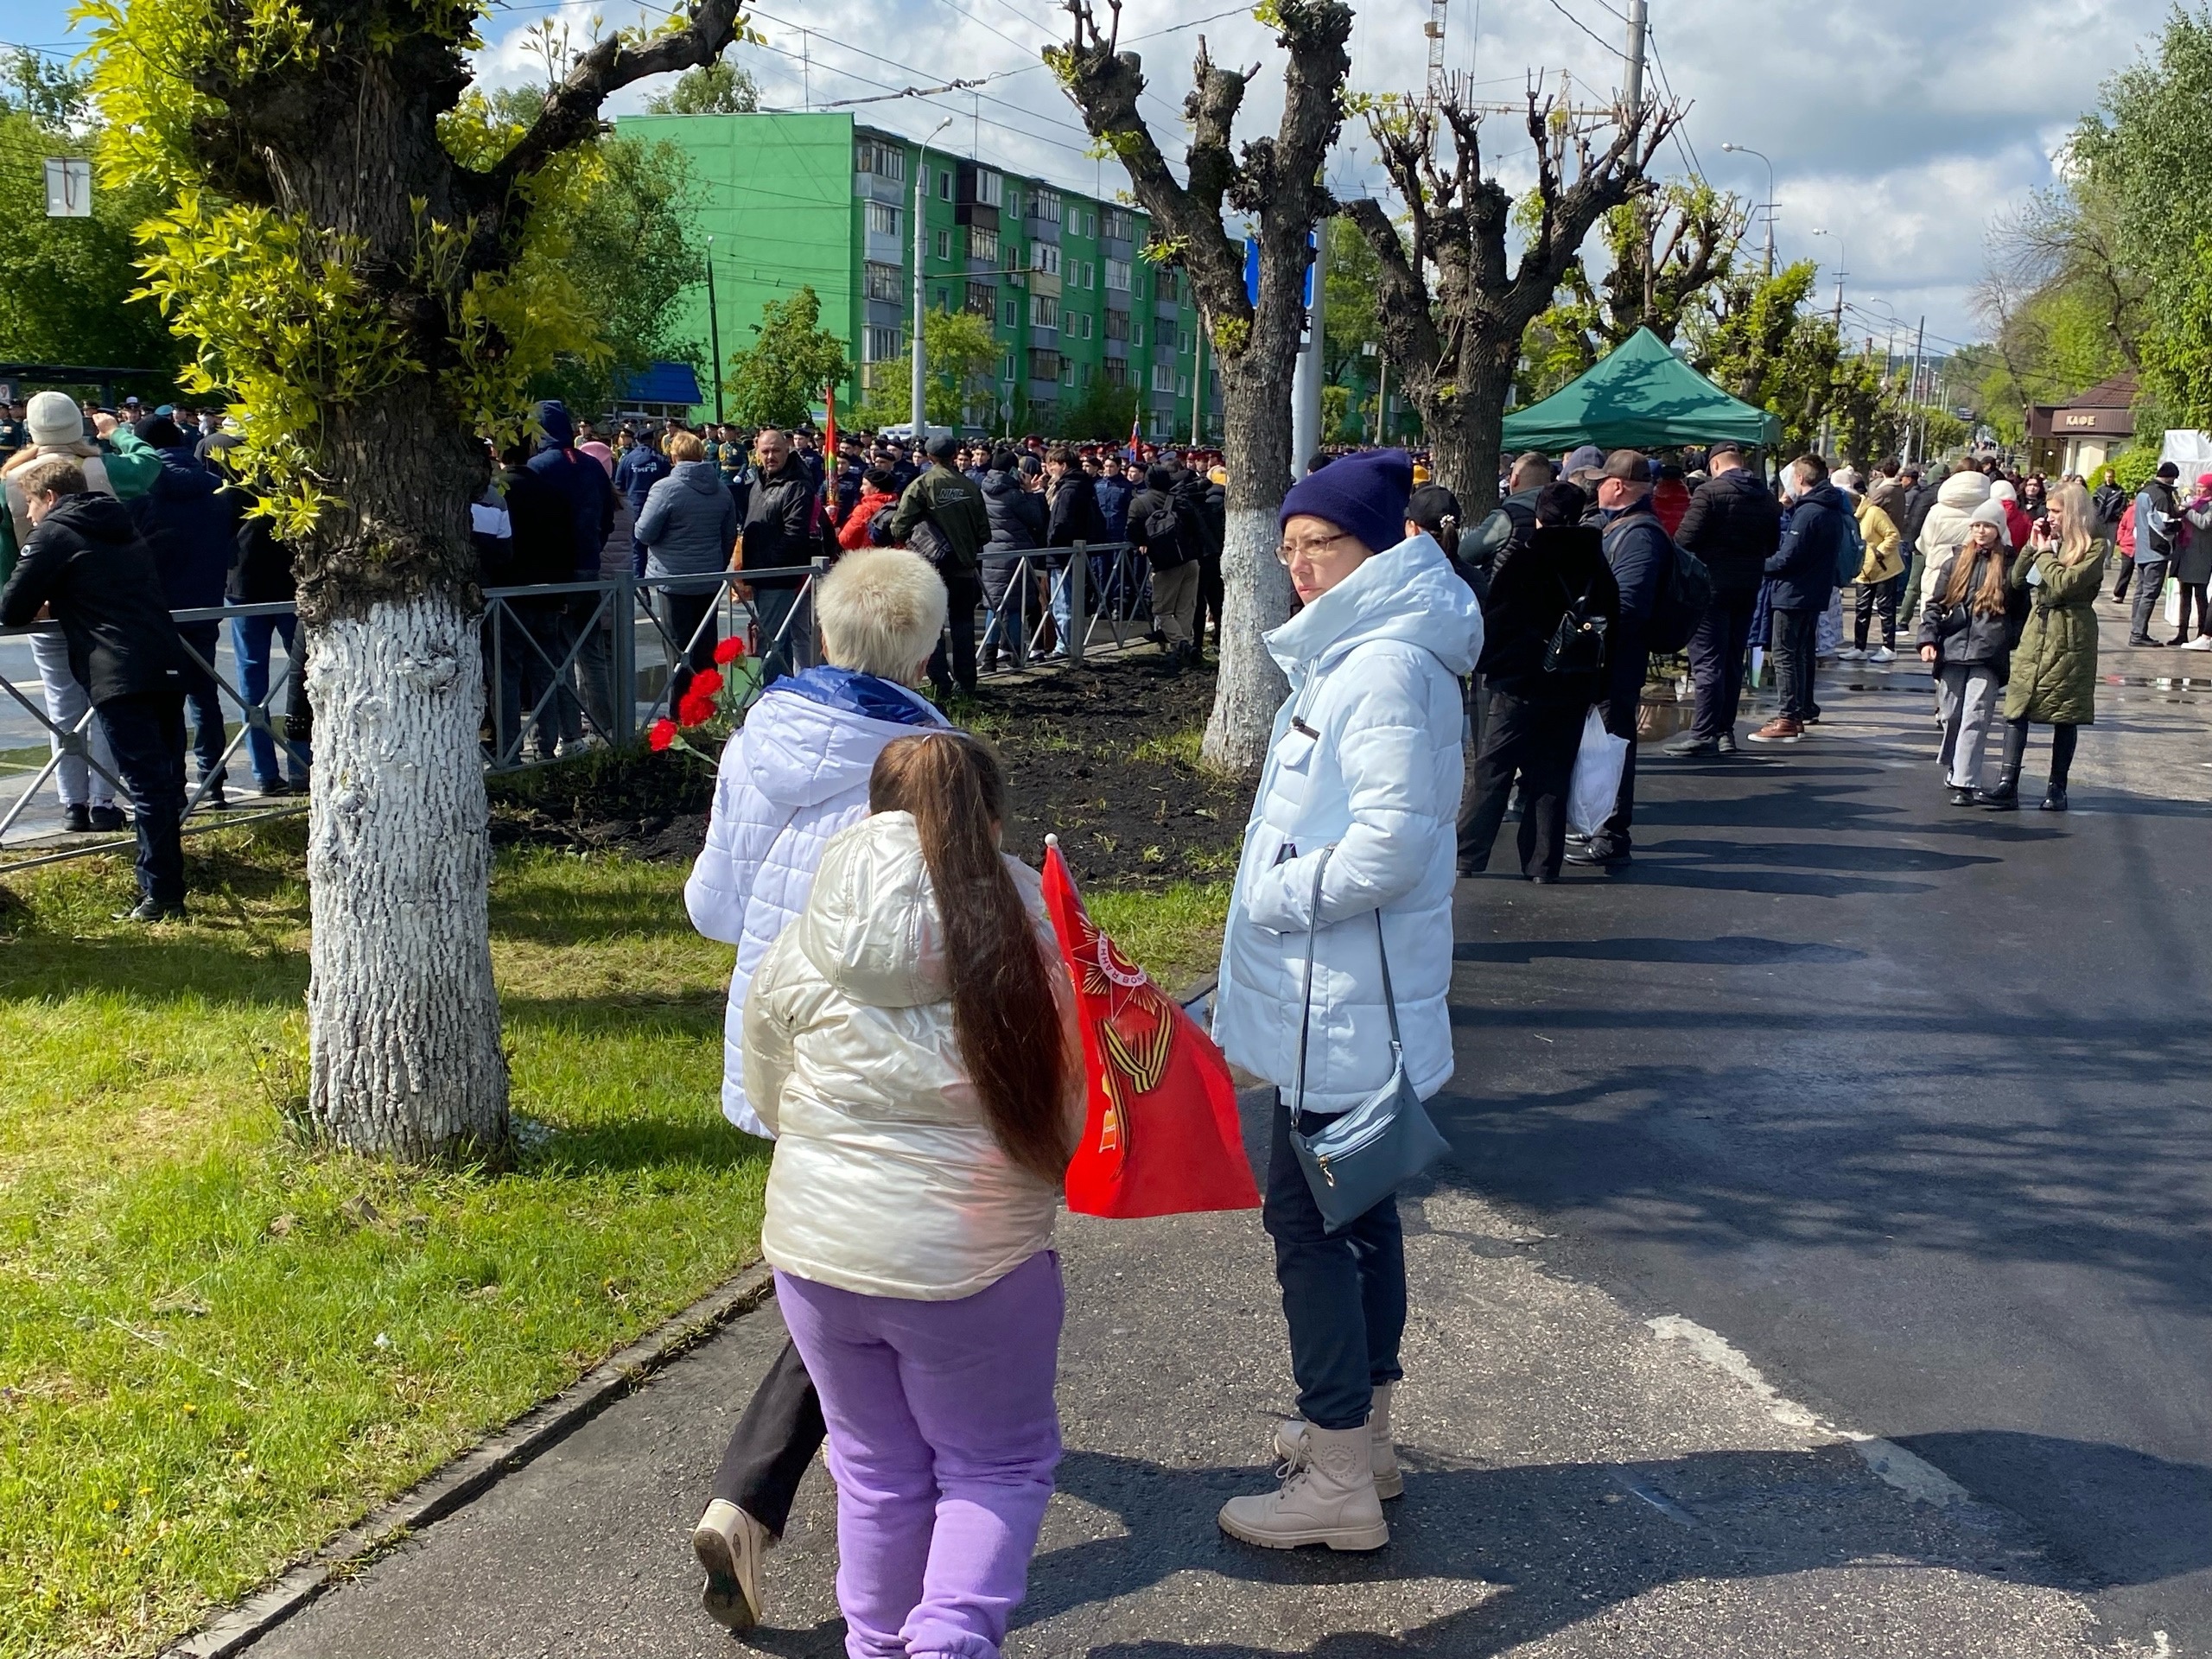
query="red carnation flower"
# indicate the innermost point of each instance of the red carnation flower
(706, 681)
(660, 734)
(694, 709)
(730, 650)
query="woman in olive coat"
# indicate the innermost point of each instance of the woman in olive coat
(2054, 678)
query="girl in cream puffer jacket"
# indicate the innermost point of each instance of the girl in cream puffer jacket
(1944, 531)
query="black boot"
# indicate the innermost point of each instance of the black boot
(2054, 798)
(2005, 797)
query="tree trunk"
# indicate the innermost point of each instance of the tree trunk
(1255, 588)
(1470, 431)
(403, 1021)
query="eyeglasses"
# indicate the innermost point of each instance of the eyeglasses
(1292, 553)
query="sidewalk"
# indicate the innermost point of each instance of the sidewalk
(1581, 1481)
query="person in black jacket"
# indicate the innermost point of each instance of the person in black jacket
(1733, 525)
(86, 565)
(530, 647)
(1015, 508)
(1072, 516)
(1214, 511)
(778, 530)
(263, 576)
(1172, 546)
(1640, 554)
(1534, 722)
(1803, 570)
(190, 526)
(1966, 631)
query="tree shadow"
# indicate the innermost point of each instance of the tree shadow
(1556, 1545)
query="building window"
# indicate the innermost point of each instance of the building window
(1067, 373)
(944, 186)
(1121, 226)
(882, 218)
(941, 302)
(1163, 376)
(982, 300)
(990, 188)
(1046, 205)
(885, 281)
(886, 161)
(1086, 374)
(1117, 325)
(1136, 333)
(1086, 325)
(882, 345)
(1043, 365)
(1117, 372)
(984, 245)
(1118, 275)
(1044, 312)
(1090, 224)
(1047, 256)
(1010, 314)
(1167, 284)
(944, 244)
(1006, 370)
(1182, 385)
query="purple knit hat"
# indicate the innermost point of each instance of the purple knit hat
(1363, 495)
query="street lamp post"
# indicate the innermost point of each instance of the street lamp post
(921, 172)
(1841, 254)
(1745, 150)
(714, 331)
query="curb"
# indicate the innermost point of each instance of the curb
(475, 1471)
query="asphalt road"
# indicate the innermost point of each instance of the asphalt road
(1910, 1103)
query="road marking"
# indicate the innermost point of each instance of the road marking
(1913, 1476)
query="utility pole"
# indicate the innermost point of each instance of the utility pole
(921, 174)
(1919, 340)
(714, 331)
(1306, 434)
(1638, 30)
(1381, 400)
(1198, 384)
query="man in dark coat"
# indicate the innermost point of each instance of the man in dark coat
(1919, 497)
(541, 539)
(1534, 722)
(86, 564)
(1640, 554)
(1803, 570)
(941, 515)
(641, 467)
(584, 484)
(779, 531)
(1072, 516)
(1174, 544)
(190, 526)
(1733, 525)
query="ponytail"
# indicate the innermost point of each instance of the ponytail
(1004, 1017)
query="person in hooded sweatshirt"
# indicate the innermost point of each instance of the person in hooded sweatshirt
(790, 777)
(687, 527)
(190, 525)
(1362, 787)
(83, 564)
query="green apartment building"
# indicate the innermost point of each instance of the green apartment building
(820, 201)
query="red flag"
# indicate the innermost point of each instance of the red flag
(829, 445)
(1160, 1135)
(1136, 437)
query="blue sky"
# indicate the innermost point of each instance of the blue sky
(1899, 127)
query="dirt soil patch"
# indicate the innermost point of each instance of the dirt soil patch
(1104, 757)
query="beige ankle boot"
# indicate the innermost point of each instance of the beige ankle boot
(1329, 1498)
(729, 1544)
(1382, 1454)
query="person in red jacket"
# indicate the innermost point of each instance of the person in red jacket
(2018, 526)
(1670, 498)
(878, 489)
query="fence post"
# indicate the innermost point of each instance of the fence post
(1078, 611)
(626, 661)
(813, 645)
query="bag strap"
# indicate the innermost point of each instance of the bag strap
(1306, 1014)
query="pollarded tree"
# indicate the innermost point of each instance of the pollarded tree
(353, 254)
(1454, 348)
(1276, 183)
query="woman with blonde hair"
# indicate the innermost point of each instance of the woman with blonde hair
(2054, 677)
(1965, 640)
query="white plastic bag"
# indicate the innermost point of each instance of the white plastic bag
(1597, 782)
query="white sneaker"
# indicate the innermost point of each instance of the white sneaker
(1382, 1455)
(2202, 642)
(729, 1544)
(1328, 1499)
(1850, 654)
(1881, 654)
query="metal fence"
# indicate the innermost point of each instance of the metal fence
(558, 656)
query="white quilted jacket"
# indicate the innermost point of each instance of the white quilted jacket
(887, 1180)
(792, 776)
(1365, 758)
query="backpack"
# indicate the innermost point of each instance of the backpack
(1852, 559)
(879, 526)
(1683, 601)
(1162, 536)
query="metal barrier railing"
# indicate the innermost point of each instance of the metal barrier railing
(555, 657)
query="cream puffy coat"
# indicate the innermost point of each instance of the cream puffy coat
(886, 1179)
(1945, 528)
(1366, 758)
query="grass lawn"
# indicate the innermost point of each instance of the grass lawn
(217, 1347)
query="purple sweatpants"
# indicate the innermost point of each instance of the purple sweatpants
(942, 1439)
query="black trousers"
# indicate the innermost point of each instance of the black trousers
(681, 615)
(1630, 662)
(1876, 597)
(2126, 576)
(776, 1438)
(1211, 593)
(1343, 1293)
(1717, 649)
(1535, 742)
(963, 592)
(205, 697)
(1794, 641)
(2063, 739)
(146, 731)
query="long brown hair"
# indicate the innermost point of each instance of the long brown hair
(1004, 1014)
(1989, 600)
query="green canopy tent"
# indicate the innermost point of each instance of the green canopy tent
(1641, 396)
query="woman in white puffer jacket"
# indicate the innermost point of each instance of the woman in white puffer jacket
(910, 1039)
(1944, 531)
(1365, 760)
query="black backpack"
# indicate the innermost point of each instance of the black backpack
(1684, 598)
(1163, 536)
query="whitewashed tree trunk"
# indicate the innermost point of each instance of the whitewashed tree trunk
(1255, 597)
(403, 1020)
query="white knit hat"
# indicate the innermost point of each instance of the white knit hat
(2001, 490)
(54, 419)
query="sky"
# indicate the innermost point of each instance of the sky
(1897, 129)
